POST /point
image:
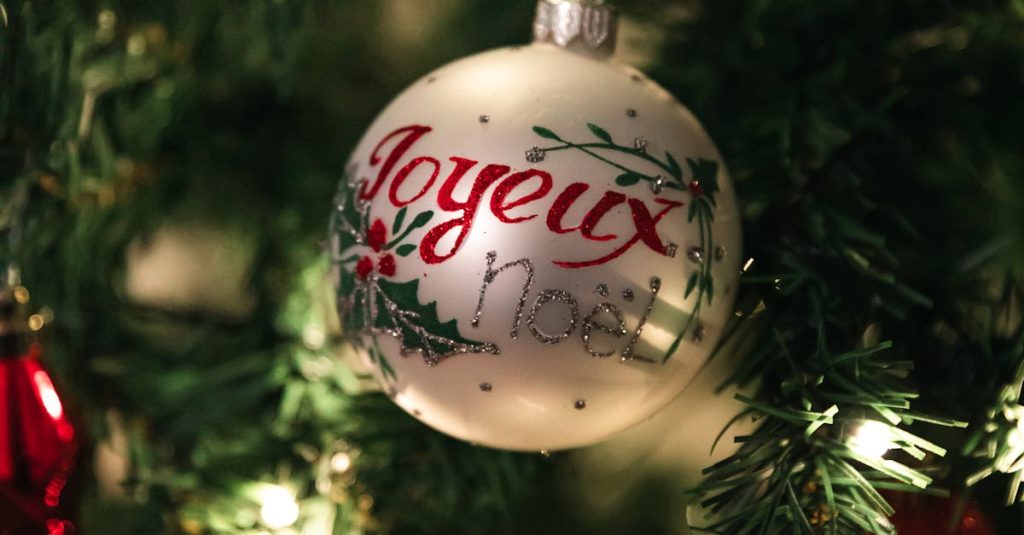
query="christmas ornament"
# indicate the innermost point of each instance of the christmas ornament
(38, 443)
(536, 247)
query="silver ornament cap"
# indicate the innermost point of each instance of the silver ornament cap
(584, 26)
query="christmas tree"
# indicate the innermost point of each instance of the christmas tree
(166, 176)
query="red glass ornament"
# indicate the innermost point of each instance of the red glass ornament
(917, 514)
(38, 446)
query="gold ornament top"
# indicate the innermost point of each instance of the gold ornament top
(585, 26)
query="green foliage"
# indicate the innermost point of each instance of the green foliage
(865, 138)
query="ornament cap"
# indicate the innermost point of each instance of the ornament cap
(584, 26)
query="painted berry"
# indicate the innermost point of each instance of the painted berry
(364, 267)
(386, 265)
(695, 189)
(377, 235)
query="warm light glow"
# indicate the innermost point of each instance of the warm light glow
(279, 508)
(48, 395)
(871, 439)
(314, 337)
(341, 462)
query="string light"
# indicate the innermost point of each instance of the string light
(278, 507)
(871, 439)
(341, 462)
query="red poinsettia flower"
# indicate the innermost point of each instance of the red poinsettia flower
(695, 188)
(377, 236)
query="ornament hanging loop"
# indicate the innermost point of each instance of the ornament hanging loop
(584, 26)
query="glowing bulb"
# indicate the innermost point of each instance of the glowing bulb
(279, 508)
(48, 395)
(341, 462)
(871, 439)
(314, 337)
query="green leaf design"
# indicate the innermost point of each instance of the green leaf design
(404, 250)
(421, 219)
(546, 133)
(676, 170)
(600, 132)
(691, 284)
(399, 219)
(417, 325)
(628, 179)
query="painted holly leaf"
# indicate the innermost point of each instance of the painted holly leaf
(416, 325)
(600, 132)
(373, 304)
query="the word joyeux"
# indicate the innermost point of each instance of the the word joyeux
(512, 190)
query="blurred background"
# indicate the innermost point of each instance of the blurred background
(166, 170)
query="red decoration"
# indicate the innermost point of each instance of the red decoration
(38, 446)
(695, 188)
(917, 514)
(386, 265)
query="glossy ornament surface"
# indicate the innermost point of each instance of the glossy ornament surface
(535, 247)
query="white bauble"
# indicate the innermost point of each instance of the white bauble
(536, 248)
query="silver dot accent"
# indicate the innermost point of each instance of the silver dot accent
(485, 118)
(486, 387)
(630, 113)
(640, 144)
(535, 154)
(695, 255)
(627, 294)
(720, 252)
(546, 454)
(580, 404)
(671, 250)
(602, 290)
(658, 184)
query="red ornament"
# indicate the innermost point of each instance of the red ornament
(917, 514)
(38, 443)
